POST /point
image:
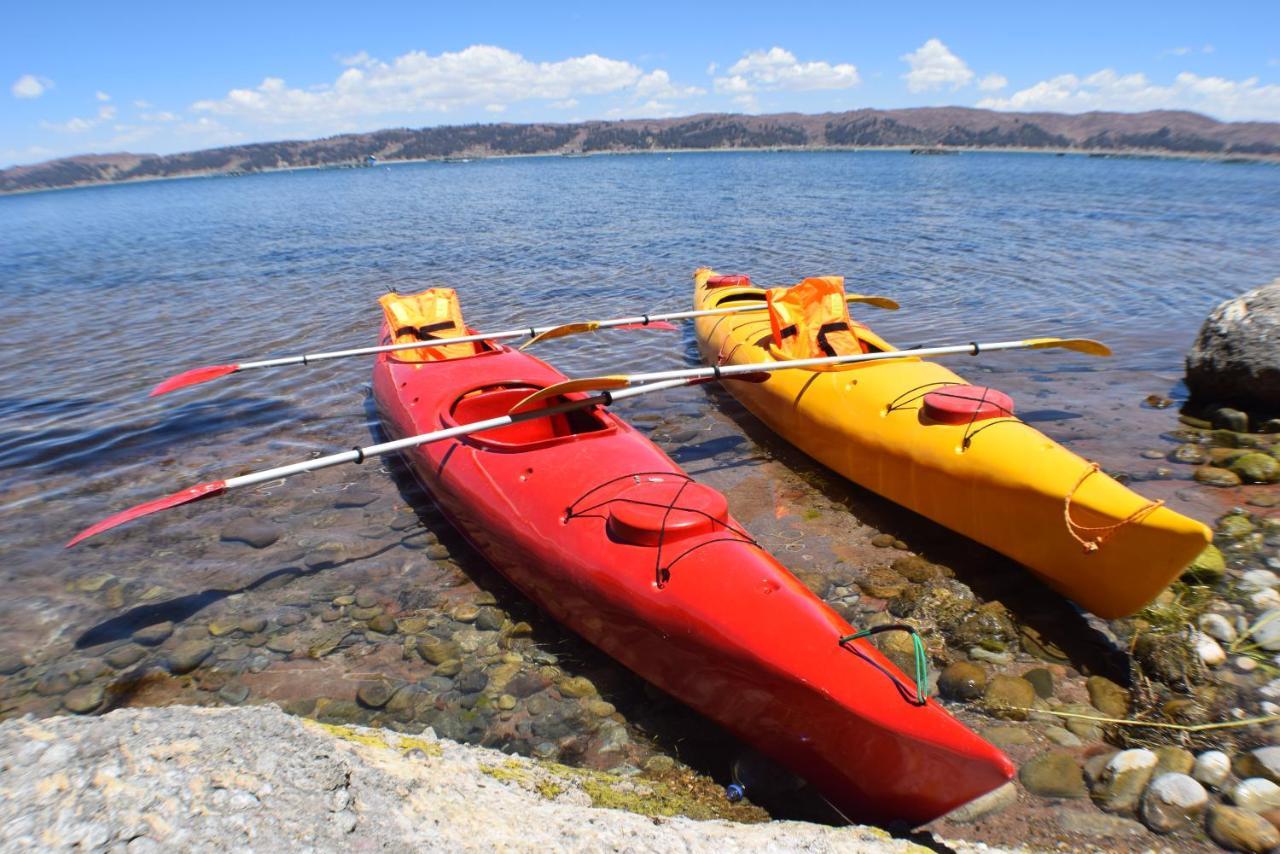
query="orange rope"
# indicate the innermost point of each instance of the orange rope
(1102, 531)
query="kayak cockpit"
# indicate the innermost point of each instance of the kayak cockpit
(494, 401)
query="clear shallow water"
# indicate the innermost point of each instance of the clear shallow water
(105, 291)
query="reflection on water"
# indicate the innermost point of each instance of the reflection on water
(306, 593)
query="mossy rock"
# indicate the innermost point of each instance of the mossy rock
(1256, 467)
(1214, 476)
(1208, 567)
(1233, 526)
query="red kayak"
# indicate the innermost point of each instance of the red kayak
(606, 534)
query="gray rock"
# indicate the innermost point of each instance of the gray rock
(250, 531)
(1172, 801)
(233, 693)
(293, 786)
(1236, 356)
(1061, 737)
(1240, 830)
(1226, 418)
(11, 663)
(1042, 680)
(187, 656)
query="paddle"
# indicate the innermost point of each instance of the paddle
(215, 488)
(536, 334)
(618, 381)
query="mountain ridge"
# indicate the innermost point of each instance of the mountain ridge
(1161, 132)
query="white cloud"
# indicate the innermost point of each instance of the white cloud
(778, 69)
(142, 105)
(106, 113)
(101, 96)
(934, 66)
(481, 76)
(360, 58)
(1183, 51)
(993, 82)
(160, 117)
(1107, 90)
(30, 86)
(657, 84)
(72, 125)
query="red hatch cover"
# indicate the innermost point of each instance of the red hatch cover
(960, 404)
(639, 514)
(728, 281)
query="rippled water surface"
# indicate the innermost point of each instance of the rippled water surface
(108, 290)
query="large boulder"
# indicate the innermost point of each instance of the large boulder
(1236, 357)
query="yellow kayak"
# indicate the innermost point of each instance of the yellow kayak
(890, 427)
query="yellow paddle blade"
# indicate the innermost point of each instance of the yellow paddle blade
(586, 384)
(562, 332)
(1080, 345)
(876, 302)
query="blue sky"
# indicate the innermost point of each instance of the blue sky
(163, 77)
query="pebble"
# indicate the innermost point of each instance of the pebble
(451, 667)
(1214, 476)
(362, 614)
(989, 804)
(1258, 579)
(250, 531)
(883, 541)
(283, 644)
(1124, 778)
(1062, 737)
(1212, 768)
(490, 619)
(436, 651)
(1053, 775)
(1172, 801)
(1240, 830)
(979, 654)
(344, 600)
(1255, 794)
(374, 695)
(465, 613)
(1209, 650)
(576, 686)
(52, 684)
(1266, 631)
(84, 699)
(1244, 664)
(1005, 737)
(1173, 760)
(383, 624)
(1218, 627)
(962, 680)
(1042, 680)
(233, 693)
(187, 656)
(125, 656)
(506, 702)
(290, 618)
(1263, 762)
(1009, 696)
(153, 635)
(11, 664)
(252, 625)
(1108, 697)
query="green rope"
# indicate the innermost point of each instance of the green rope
(922, 657)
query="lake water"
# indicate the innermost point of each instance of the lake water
(107, 290)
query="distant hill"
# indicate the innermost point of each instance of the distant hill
(1157, 132)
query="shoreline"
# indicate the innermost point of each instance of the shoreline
(1241, 159)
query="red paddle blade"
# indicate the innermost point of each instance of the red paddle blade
(186, 496)
(653, 324)
(193, 377)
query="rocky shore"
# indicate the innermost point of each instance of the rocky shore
(256, 779)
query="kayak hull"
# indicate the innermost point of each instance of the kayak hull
(998, 481)
(682, 597)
